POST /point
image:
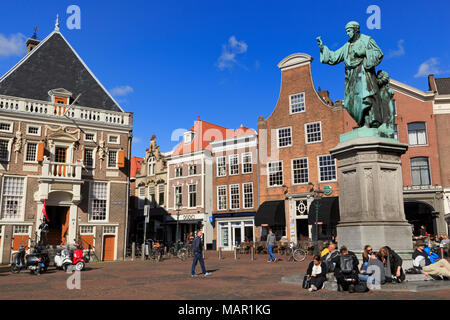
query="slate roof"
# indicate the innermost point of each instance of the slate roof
(443, 85)
(54, 64)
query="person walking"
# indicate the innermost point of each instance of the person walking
(270, 244)
(197, 248)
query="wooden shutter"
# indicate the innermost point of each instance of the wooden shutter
(40, 151)
(121, 158)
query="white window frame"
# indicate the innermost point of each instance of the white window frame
(21, 214)
(93, 158)
(189, 196)
(11, 126)
(239, 196)
(114, 135)
(89, 132)
(90, 215)
(268, 174)
(278, 137)
(107, 163)
(190, 135)
(33, 126)
(175, 195)
(291, 105)
(292, 171)
(151, 162)
(318, 169)
(243, 195)
(189, 170)
(150, 194)
(176, 170)
(306, 132)
(26, 152)
(233, 156)
(251, 162)
(426, 135)
(224, 187)
(141, 198)
(225, 166)
(9, 149)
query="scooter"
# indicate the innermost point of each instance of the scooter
(78, 259)
(32, 262)
(63, 259)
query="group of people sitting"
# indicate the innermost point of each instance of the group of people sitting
(378, 267)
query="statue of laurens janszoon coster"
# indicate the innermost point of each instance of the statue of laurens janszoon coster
(368, 97)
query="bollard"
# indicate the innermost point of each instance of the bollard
(252, 253)
(143, 252)
(235, 253)
(204, 253)
(220, 253)
(133, 251)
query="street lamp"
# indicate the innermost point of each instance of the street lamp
(178, 218)
(317, 197)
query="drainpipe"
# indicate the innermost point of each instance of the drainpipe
(257, 181)
(130, 137)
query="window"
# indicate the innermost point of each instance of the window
(33, 130)
(188, 136)
(109, 230)
(89, 158)
(395, 132)
(4, 150)
(115, 139)
(192, 195)
(141, 199)
(284, 137)
(21, 229)
(234, 164)
(86, 229)
(99, 195)
(297, 103)
(420, 171)
(313, 132)
(247, 162)
(161, 194)
(152, 194)
(221, 197)
(60, 154)
(31, 152)
(301, 207)
(178, 196)
(13, 198)
(89, 137)
(300, 170)
(6, 127)
(112, 159)
(417, 133)
(248, 195)
(327, 168)
(234, 196)
(151, 166)
(221, 167)
(192, 170)
(178, 172)
(275, 170)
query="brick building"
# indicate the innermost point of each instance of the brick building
(235, 187)
(294, 144)
(64, 149)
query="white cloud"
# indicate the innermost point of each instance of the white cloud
(14, 46)
(121, 91)
(431, 66)
(400, 51)
(229, 53)
(136, 139)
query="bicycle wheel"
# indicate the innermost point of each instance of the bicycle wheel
(299, 255)
(182, 254)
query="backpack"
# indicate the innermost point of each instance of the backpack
(346, 263)
(361, 287)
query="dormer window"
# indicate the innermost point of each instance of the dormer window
(188, 136)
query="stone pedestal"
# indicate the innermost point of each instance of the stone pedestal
(371, 196)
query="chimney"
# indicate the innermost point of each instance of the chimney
(325, 95)
(31, 43)
(431, 83)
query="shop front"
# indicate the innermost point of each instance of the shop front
(234, 229)
(187, 223)
(271, 215)
(324, 213)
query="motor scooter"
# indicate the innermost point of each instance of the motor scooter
(32, 262)
(78, 260)
(63, 259)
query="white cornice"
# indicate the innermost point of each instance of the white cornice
(294, 61)
(411, 91)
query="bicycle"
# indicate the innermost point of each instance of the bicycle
(295, 254)
(182, 253)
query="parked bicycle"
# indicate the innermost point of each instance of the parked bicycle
(182, 253)
(154, 250)
(295, 253)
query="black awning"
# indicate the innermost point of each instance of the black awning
(328, 211)
(271, 213)
(158, 211)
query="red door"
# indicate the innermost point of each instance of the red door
(108, 248)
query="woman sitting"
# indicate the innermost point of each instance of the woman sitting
(392, 265)
(317, 274)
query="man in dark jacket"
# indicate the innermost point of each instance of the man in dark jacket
(328, 258)
(420, 257)
(346, 270)
(197, 248)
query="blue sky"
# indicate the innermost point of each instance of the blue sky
(171, 61)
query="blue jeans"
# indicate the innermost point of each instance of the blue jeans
(198, 257)
(365, 277)
(271, 256)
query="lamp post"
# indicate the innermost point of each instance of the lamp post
(178, 218)
(317, 197)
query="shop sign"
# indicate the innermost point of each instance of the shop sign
(327, 190)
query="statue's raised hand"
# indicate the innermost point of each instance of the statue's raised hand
(319, 42)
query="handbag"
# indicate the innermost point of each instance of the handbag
(306, 282)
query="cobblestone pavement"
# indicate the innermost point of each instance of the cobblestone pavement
(170, 279)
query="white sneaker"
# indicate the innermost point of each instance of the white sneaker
(310, 289)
